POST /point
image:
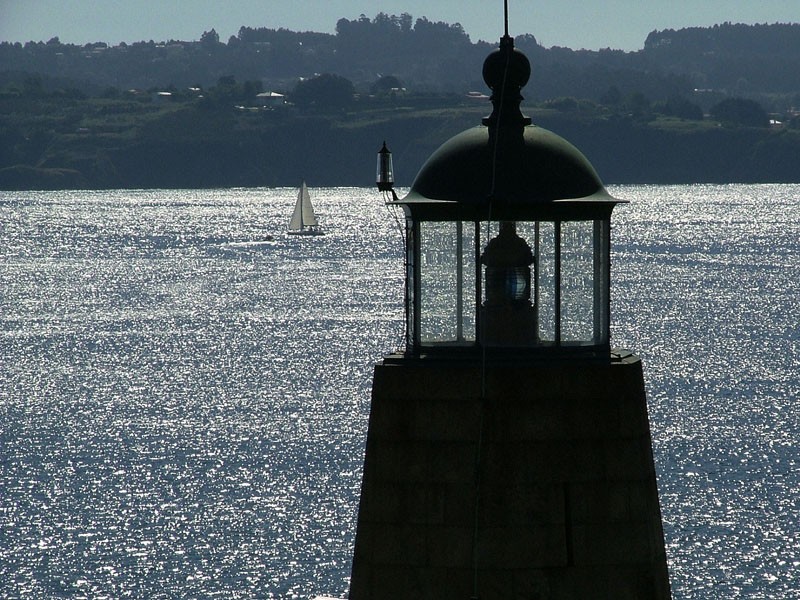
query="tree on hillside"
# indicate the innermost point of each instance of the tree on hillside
(229, 91)
(385, 85)
(637, 104)
(209, 39)
(324, 91)
(678, 106)
(740, 111)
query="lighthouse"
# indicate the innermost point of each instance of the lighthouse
(508, 453)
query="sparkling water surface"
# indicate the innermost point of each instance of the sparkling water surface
(184, 390)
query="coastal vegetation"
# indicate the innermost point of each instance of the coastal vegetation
(272, 107)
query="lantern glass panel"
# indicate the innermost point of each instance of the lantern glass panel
(467, 231)
(447, 282)
(411, 305)
(577, 281)
(545, 287)
(602, 310)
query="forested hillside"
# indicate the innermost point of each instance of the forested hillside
(700, 104)
(760, 60)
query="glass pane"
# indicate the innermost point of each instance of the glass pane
(577, 281)
(602, 284)
(410, 283)
(446, 285)
(544, 291)
(468, 281)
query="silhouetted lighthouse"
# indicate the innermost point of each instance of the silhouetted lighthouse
(509, 451)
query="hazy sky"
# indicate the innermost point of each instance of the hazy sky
(591, 24)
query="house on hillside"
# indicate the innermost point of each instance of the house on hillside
(270, 99)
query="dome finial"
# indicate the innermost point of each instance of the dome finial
(506, 71)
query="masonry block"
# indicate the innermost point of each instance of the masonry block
(538, 484)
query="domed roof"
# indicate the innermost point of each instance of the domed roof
(508, 168)
(529, 173)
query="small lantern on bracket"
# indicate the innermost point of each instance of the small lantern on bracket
(385, 172)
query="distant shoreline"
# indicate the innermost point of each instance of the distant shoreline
(341, 152)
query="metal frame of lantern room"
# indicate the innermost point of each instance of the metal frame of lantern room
(507, 235)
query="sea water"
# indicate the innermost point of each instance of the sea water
(184, 389)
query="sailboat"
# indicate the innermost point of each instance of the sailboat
(304, 221)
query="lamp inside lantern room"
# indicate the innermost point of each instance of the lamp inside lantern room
(507, 314)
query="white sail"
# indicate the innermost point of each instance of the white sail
(303, 219)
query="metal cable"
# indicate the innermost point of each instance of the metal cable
(483, 399)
